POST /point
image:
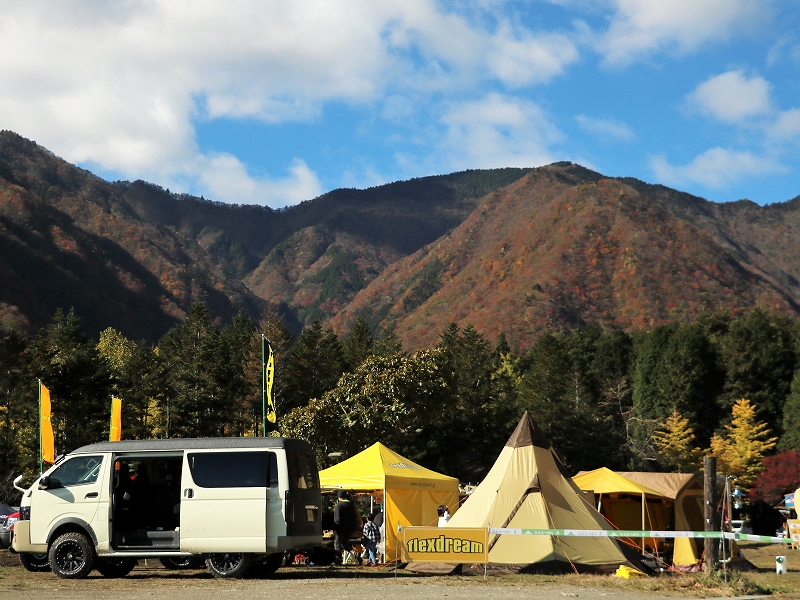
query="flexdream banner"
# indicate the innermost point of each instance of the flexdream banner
(446, 544)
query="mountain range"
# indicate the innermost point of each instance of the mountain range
(517, 251)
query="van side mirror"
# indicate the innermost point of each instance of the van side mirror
(44, 482)
(17, 481)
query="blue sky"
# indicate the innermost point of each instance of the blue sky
(259, 101)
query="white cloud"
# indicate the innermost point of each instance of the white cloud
(641, 27)
(121, 84)
(226, 179)
(716, 168)
(497, 131)
(786, 127)
(605, 128)
(732, 97)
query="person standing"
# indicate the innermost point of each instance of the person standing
(345, 521)
(372, 536)
(444, 515)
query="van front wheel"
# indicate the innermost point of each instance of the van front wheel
(35, 563)
(228, 565)
(71, 556)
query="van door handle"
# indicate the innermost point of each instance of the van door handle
(188, 493)
(91, 495)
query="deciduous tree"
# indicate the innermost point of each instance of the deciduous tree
(741, 452)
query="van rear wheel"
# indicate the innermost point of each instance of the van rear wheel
(271, 564)
(174, 563)
(229, 565)
(115, 567)
(34, 562)
(71, 556)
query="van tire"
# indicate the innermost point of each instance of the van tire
(271, 564)
(71, 556)
(229, 565)
(115, 567)
(175, 563)
(35, 562)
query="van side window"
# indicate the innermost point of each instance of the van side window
(302, 471)
(76, 471)
(233, 469)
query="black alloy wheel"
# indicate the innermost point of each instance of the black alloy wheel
(72, 556)
(229, 565)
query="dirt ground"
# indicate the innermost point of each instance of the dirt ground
(149, 579)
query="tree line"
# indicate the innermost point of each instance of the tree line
(651, 400)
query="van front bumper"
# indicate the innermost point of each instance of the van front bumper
(22, 539)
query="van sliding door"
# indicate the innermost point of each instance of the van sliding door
(224, 501)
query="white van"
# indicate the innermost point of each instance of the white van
(231, 501)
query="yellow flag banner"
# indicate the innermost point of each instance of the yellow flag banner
(115, 431)
(269, 378)
(48, 444)
(446, 544)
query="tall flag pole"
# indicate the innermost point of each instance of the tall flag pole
(263, 390)
(47, 451)
(270, 377)
(115, 429)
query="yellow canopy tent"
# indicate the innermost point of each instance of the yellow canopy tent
(626, 503)
(678, 492)
(411, 492)
(687, 493)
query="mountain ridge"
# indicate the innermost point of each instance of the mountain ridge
(518, 251)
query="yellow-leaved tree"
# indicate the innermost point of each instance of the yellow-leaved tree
(741, 452)
(676, 444)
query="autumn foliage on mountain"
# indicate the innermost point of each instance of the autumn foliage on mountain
(518, 251)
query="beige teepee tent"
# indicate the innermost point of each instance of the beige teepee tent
(528, 488)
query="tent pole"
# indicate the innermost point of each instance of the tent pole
(644, 500)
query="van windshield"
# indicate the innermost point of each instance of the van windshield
(77, 471)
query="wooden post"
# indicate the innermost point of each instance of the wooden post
(709, 497)
(644, 508)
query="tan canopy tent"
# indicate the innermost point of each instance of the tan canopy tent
(528, 488)
(411, 492)
(672, 500)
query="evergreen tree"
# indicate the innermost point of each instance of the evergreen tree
(741, 452)
(18, 417)
(273, 327)
(79, 381)
(688, 380)
(649, 403)
(243, 382)
(650, 400)
(358, 344)
(546, 392)
(479, 399)
(676, 445)
(198, 362)
(790, 440)
(388, 342)
(759, 359)
(314, 366)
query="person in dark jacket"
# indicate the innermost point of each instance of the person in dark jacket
(345, 521)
